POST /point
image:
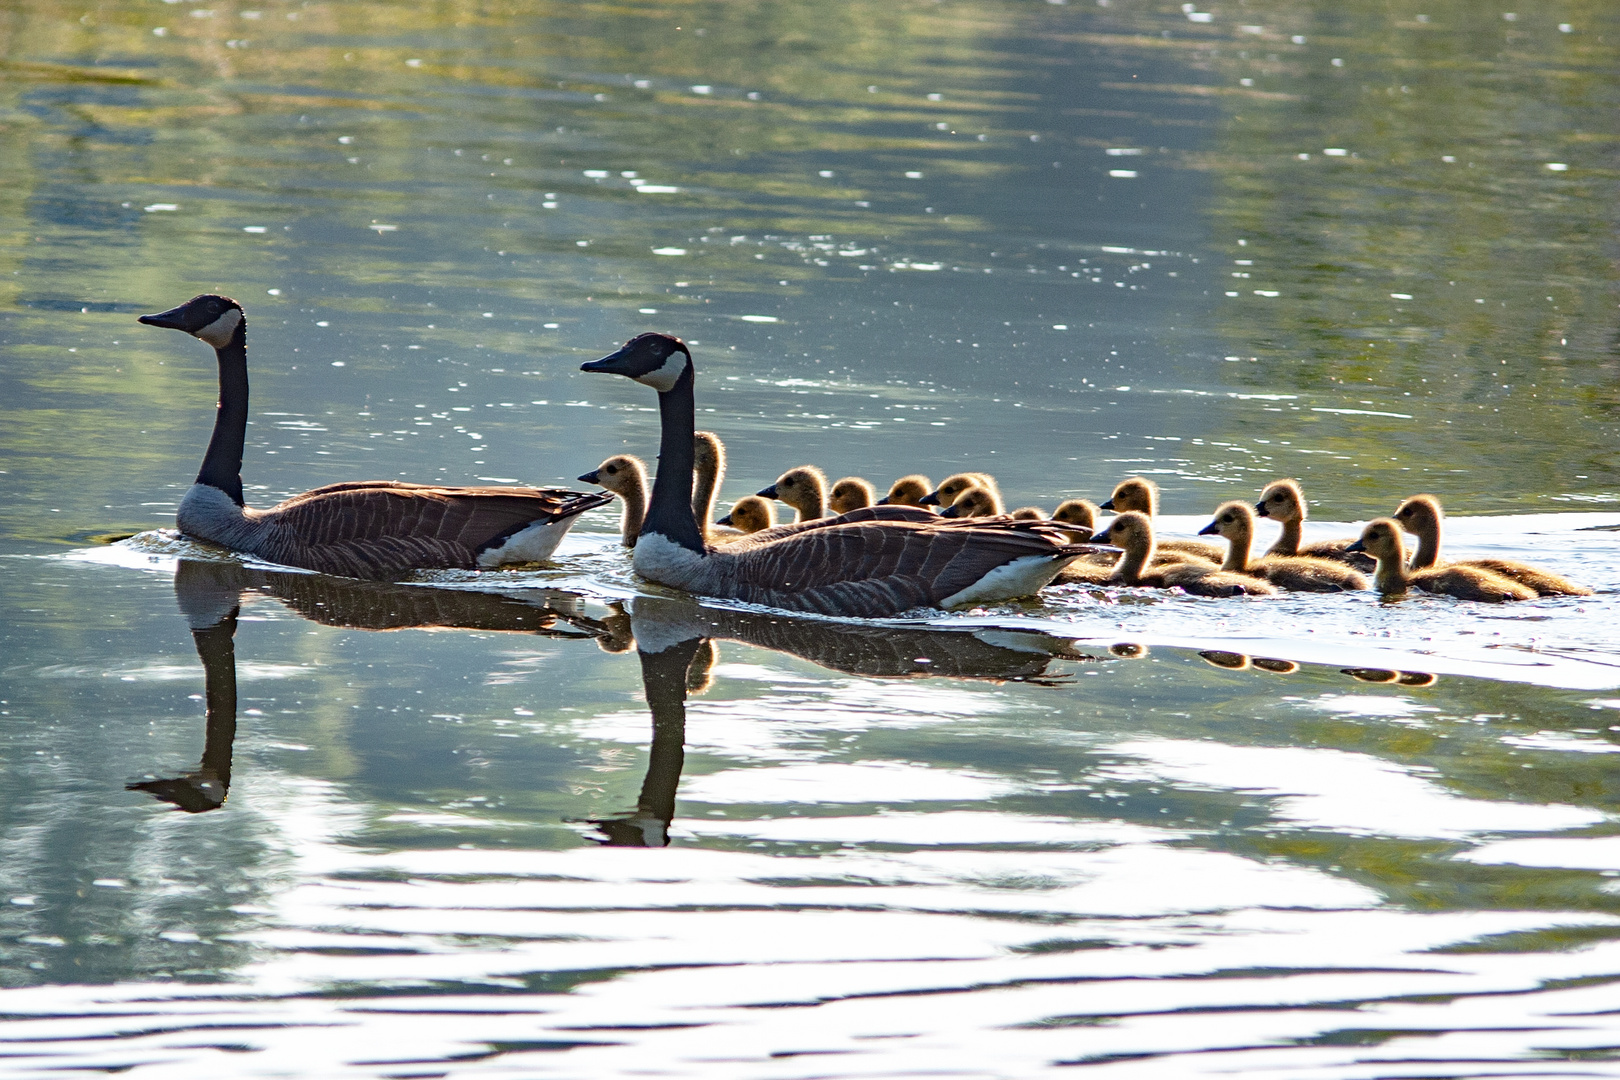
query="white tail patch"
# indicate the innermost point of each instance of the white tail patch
(1022, 577)
(534, 544)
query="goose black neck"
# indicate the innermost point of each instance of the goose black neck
(670, 512)
(222, 465)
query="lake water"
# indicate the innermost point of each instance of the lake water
(472, 829)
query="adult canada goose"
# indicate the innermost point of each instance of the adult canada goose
(873, 563)
(370, 529)
(908, 491)
(1284, 501)
(1422, 517)
(1235, 522)
(851, 493)
(951, 488)
(1382, 540)
(804, 488)
(626, 476)
(710, 469)
(1133, 531)
(751, 514)
(1140, 495)
(977, 502)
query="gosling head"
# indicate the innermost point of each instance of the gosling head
(1282, 500)
(1233, 521)
(974, 502)
(850, 493)
(803, 488)
(1135, 493)
(1027, 513)
(1420, 514)
(1382, 540)
(652, 359)
(750, 514)
(708, 452)
(951, 488)
(1081, 512)
(908, 491)
(620, 474)
(1131, 531)
(210, 317)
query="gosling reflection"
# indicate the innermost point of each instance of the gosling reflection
(210, 597)
(1236, 661)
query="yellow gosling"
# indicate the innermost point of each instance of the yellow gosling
(626, 477)
(1235, 522)
(750, 514)
(708, 470)
(1382, 540)
(1132, 532)
(1284, 502)
(850, 493)
(908, 491)
(951, 488)
(1422, 516)
(974, 502)
(1028, 513)
(803, 488)
(1138, 494)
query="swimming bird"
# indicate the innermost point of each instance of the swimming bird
(951, 488)
(804, 488)
(710, 469)
(1422, 517)
(751, 514)
(908, 491)
(626, 476)
(1081, 513)
(369, 529)
(1382, 540)
(869, 563)
(1235, 522)
(1133, 532)
(1029, 513)
(1140, 495)
(977, 502)
(850, 493)
(1284, 501)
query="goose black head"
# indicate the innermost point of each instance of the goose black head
(653, 359)
(210, 317)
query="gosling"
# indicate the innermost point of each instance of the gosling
(708, 470)
(908, 491)
(1284, 501)
(850, 493)
(951, 488)
(750, 514)
(1132, 532)
(1422, 517)
(1235, 522)
(974, 502)
(1382, 540)
(626, 476)
(803, 488)
(1141, 495)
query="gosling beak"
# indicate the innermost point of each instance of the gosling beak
(1209, 530)
(950, 512)
(726, 521)
(767, 493)
(1260, 508)
(883, 501)
(1109, 505)
(592, 477)
(1357, 546)
(930, 499)
(169, 320)
(612, 364)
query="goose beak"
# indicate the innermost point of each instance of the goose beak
(767, 493)
(612, 364)
(173, 319)
(1357, 546)
(930, 499)
(726, 521)
(1208, 530)
(592, 477)
(1260, 508)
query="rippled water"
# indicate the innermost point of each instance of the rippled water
(555, 822)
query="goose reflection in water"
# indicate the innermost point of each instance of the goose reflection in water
(210, 597)
(676, 641)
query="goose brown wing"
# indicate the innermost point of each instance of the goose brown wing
(885, 566)
(374, 529)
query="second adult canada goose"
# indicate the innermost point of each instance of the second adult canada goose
(626, 476)
(951, 488)
(908, 491)
(850, 493)
(751, 514)
(870, 563)
(1284, 502)
(804, 488)
(1422, 517)
(1140, 495)
(1133, 532)
(374, 529)
(1382, 540)
(1235, 522)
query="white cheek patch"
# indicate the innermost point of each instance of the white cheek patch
(664, 377)
(218, 333)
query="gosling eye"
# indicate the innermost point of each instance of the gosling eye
(612, 470)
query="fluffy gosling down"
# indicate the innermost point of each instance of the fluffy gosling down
(908, 491)
(626, 476)
(1284, 502)
(850, 493)
(1140, 495)
(750, 514)
(952, 488)
(1382, 540)
(1132, 532)
(804, 488)
(1422, 517)
(1235, 522)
